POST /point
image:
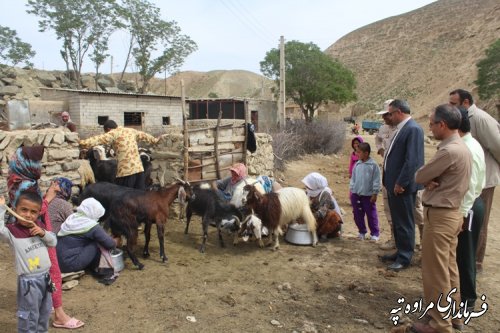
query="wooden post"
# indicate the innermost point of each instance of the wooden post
(186, 133)
(245, 107)
(216, 144)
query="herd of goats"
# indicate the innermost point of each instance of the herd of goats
(250, 209)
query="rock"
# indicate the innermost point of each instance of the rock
(8, 81)
(45, 78)
(361, 321)
(9, 90)
(71, 136)
(191, 319)
(129, 86)
(88, 82)
(105, 82)
(274, 322)
(58, 138)
(309, 327)
(48, 139)
(70, 166)
(31, 138)
(342, 298)
(4, 142)
(57, 154)
(229, 300)
(52, 170)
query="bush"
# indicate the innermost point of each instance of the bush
(325, 137)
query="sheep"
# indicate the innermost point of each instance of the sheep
(86, 173)
(205, 203)
(281, 208)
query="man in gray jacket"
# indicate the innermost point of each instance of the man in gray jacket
(486, 130)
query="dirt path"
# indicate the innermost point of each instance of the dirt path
(340, 286)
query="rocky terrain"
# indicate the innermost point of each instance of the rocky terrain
(421, 55)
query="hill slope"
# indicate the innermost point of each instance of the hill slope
(421, 55)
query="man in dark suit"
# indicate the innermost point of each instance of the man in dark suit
(404, 157)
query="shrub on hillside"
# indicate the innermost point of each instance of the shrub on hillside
(325, 137)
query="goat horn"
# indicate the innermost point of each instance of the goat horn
(180, 180)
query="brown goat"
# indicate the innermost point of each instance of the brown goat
(136, 206)
(281, 208)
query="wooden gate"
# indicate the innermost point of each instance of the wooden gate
(210, 151)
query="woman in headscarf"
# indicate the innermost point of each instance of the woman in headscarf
(25, 168)
(57, 197)
(80, 238)
(323, 204)
(227, 185)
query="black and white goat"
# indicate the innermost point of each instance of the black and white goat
(205, 203)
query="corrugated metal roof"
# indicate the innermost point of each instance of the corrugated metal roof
(98, 92)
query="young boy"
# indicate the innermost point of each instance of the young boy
(365, 186)
(29, 242)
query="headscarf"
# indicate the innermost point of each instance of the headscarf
(238, 172)
(85, 218)
(25, 168)
(316, 183)
(65, 185)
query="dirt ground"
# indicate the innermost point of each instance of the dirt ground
(339, 286)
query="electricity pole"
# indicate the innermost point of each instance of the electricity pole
(281, 105)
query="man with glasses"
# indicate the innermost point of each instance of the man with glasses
(402, 159)
(446, 179)
(486, 130)
(383, 139)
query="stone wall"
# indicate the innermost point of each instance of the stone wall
(62, 152)
(59, 160)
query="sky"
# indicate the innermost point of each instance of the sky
(230, 34)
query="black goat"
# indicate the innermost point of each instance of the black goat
(105, 169)
(206, 203)
(103, 192)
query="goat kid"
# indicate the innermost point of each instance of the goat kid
(205, 203)
(280, 209)
(251, 225)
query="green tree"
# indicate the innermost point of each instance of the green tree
(156, 45)
(12, 49)
(312, 78)
(80, 25)
(488, 72)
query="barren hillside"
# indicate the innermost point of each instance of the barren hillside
(420, 55)
(221, 83)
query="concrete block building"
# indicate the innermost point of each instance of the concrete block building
(90, 109)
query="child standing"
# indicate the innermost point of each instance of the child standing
(364, 187)
(29, 241)
(354, 157)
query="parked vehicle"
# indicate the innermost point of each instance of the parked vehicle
(371, 126)
(350, 120)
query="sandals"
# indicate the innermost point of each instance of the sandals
(73, 323)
